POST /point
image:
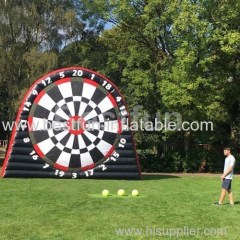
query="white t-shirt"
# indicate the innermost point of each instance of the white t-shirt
(229, 162)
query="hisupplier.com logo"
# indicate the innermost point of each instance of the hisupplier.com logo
(171, 232)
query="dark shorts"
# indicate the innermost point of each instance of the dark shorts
(226, 183)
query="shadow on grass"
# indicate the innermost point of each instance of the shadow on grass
(157, 177)
(228, 204)
(125, 196)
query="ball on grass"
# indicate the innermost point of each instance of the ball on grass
(120, 192)
(135, 192)
(105, 192)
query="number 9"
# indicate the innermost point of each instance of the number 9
(34, 92)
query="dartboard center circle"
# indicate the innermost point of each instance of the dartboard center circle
(76, 125)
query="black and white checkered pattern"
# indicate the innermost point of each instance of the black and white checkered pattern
(63, 101)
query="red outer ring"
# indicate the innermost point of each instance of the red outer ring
(59, 166)
(14, 132)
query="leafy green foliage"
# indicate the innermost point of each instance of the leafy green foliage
(167, 56)
(202, 160)
(31, 35)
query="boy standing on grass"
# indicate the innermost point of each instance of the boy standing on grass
(227, 177)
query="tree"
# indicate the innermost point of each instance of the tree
(31, 36)
(172, 56)
(203, 79)
(88, 52)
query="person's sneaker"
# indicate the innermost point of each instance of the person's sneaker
(216, 203)
(231, 204)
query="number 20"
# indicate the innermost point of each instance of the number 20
(77, 73)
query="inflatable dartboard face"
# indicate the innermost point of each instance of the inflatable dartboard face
(71, 121)
(76, 121)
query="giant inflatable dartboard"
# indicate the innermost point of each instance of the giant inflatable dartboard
(73, 123)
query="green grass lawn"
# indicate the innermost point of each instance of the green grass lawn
(34, 209)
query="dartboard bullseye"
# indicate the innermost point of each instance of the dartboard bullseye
(75, 123)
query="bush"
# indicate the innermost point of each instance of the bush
(171, 162)
(237, 163)
(196, 160)
(202, 160)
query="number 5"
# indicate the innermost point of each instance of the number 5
(62, 75)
